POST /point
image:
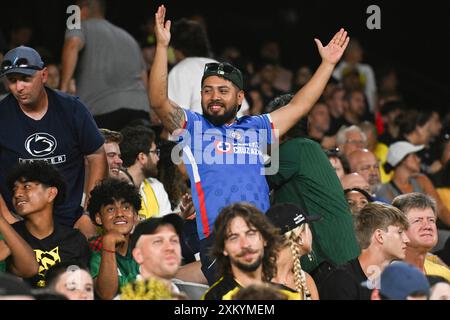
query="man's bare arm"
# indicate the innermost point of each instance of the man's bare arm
(287, 116)
(69, 61)
(172, 116)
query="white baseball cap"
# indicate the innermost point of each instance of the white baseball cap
(399, 150)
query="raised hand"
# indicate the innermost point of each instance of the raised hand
(335, 48)
(162, 28)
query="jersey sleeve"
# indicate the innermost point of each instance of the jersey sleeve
(94, 263)
(264, 122)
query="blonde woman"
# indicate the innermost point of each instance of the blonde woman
(297, 236)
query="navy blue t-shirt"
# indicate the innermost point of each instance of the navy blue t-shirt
(65, 134)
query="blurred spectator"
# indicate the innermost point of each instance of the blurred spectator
(355, 180)
(403, 160)
(441, 179)
(367, 165)
(439, 288)
(355, 108)
(419, 128)
(20, 34)
(401, 281)
(379, 149)
(108, 67)
(389, 113)
(338, 162)
(271, 51)
(13, 288)
(302, 76)
(336, 104)
(318, 121)
(357, 199)
(353, 58)
(54, 78)
(71, 280)
(264, 291)
(349, 139)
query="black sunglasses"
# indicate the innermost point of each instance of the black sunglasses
(332, 152)
(220, 68)
(20, 63)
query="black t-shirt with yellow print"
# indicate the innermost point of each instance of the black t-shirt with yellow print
(226, 287)
(63, 245)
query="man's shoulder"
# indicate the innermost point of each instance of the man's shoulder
(219, 289)
(6, 102)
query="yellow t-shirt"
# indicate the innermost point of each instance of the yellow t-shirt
(381, 151)
(444, 193)
(435, 269)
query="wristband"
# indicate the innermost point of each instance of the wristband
(109, 251)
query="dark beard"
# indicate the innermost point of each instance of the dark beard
(248, 267)
(151, 172)
(221, 120)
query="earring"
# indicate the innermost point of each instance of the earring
(310, 258)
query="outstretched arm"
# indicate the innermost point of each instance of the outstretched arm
(171, 115)
(287, 116)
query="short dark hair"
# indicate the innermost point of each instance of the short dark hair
(93, 5)
(252, 216)
(190, 37)
(42, 172)
(300, 129)
(54, 272)
(135, 140)
(111, 189)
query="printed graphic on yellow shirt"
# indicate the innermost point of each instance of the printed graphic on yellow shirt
(46, 259)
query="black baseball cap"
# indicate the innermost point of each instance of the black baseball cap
(23, 60)
(224, 70)
(150, 225)
(288, 216)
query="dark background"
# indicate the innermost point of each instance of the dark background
(413, 38)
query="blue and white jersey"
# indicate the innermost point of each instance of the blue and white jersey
(225, 164)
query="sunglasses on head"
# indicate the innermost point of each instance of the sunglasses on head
(20, 63)
(220, 68)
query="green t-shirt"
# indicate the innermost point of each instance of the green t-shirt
(306, 178)
(128, 268)
(2, 263)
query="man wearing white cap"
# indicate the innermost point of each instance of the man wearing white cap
(405, 163)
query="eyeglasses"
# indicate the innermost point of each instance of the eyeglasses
(220, 68)
(156, 151)
(20, 63)
(332, 152)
